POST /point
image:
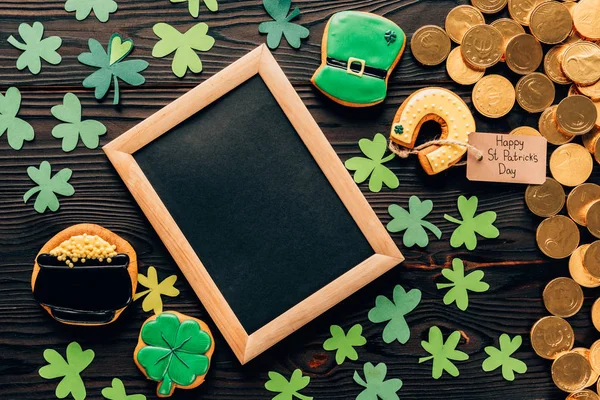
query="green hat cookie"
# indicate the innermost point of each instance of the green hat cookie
(358, 54)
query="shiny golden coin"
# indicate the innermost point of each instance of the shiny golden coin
(525, 131)
(545, 200)
(578, 273)
(586, 18)
(571, 164)
(509, 28)
(551, 22)
(520, 10)
(461, 72)
(592, 219)
(524, 54)
(489, 6)
(557, 236)
(591, 91)
(494, 96)
(580, 63)
(482, 46)
(595, 350)
(549, 128)
(596, 317)
(586, 353)
(597, 105)
(551, 336)
(535, 92)
(576, 115)
(597, 152)
(563, 297)
(553, 67)
(579, 201)
(460, 19)
(571, 372)
(584, 394)
(591, 259)
(590, 139)
(430, 45)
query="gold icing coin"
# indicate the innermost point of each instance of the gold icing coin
(592, 219)
(535, 92)
(563, 297)
(549, 128)
(520, 10)
(596, 322)
(576, 115)
(545, 200)
(460, 19)
(461, 72)
(553, 67)
(524, 54)
(591, 260)
(578, 273)
(430, 45)
(571, 164)
(584, 394)
(580, 63)
(551, 22)
(595, 348)
(482, 46)
(489, 6)
(509, 28)
(494, 96)
(579, 201)
(586, 353)
(525, 131)
(591, 91)
(586, 17)
(571, 372)
(557, 236)
(590, 139)
(551, 336)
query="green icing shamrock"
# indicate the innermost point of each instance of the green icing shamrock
(74, 128)
(117, 392)
(375, 384)
(345, 343)
(48, 187)
(17, 130)
(412, 221)
(461, 284)
(386, 310)
(35, 48)
(278, 10)
(471, 224)
(83, 8)
(69, 370)
(442, 353)
(287, 389)
(502, 357)
(183, 44)
(174, 352)
(194, 6)
(111, 67)
(373, 165)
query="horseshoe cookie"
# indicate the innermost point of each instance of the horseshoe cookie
(447, 109)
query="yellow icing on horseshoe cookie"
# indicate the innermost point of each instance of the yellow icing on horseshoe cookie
(444, 107)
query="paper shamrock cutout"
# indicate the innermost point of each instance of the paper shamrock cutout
(412, 221)
(373, 165)
(35, 48)
(83, 8)
(376, 387)
(69, 370)
(502, 357)
(17, 130)
(73, 128)
(394, 312)
(443, 353)
(278, 10)
(194, 6)
(153, 301)
(183, 44)
(345, 343)
(48, 187)
(288, 390)
(111, 67)
(117, 392)
(482, 224)
(461, 284)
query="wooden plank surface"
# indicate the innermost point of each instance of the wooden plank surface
(515, 269)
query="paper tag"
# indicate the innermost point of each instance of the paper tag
(507, 158)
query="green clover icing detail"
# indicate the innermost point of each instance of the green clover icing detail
(399, 129)
(390, 37)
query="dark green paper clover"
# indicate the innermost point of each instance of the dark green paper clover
(373, 165)
(278, 10)
(482, 224)
(413, 222)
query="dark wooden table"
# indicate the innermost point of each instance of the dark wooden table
(514, 267)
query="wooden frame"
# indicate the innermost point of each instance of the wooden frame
(120, 152)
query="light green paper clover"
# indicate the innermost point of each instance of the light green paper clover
(373, 165)
(345, 343)
(69, 370)
(482, 224)
(17, 130)
(394, 312)
(35, 48)
(461, 284)
(287, 389)
(183, 44)
(48, 187)
(502, 357)
(443, 353)
(194, 6)
(413, 222)
(375, 384)
(83, 8)
(278, 10)
(117, 392)
(74, 128)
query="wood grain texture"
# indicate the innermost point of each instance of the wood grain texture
(515, 269)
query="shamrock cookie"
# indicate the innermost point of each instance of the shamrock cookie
(174, 350)
(358, 54)
(85, 275)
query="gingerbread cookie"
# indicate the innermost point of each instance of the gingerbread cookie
(85, 275)
(358, 54)
(174, 350)
(447, 109)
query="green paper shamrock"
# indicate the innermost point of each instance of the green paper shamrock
(174, 351)
(344, 344)
(48, 187)
(373, 165)
(502, 357)
(17, 130)
(183, 44)
(471, 224)
(111, 67)
(278, 10)
(69, 370)
(74, 128)
(194, 6)
(166, 287)
(461, 284)
(35, 48)
(442, 353)
(83, 8)
(287, 389)
(117, 392)
(386, 310)
(412, 221)
(375, 384)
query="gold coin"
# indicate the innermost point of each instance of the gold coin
(591, 91)
(571, 164)
(430, 45)
(595, 349)
(571, 372)
(551, 336)
(576, 115)
(551, 22)
(586, 353)
(545, 200)
(494, 96)
(549, 128)
(591, 260)
(563, 297)
(570, 6)
(460, 19)
(535, 92)
(586, 18)
(489, 6)
(552, 65)
(584, 394)
(524, 54)
(525, 131)
(509, 28)
(557, 236)
(482, 46)
(597, 152)
(520, 10)
(461, 72)
(580, 63)
(596, 321)
(579, 201)
(592, 219)
(590, 139)
(578, 273)
(573, 90)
